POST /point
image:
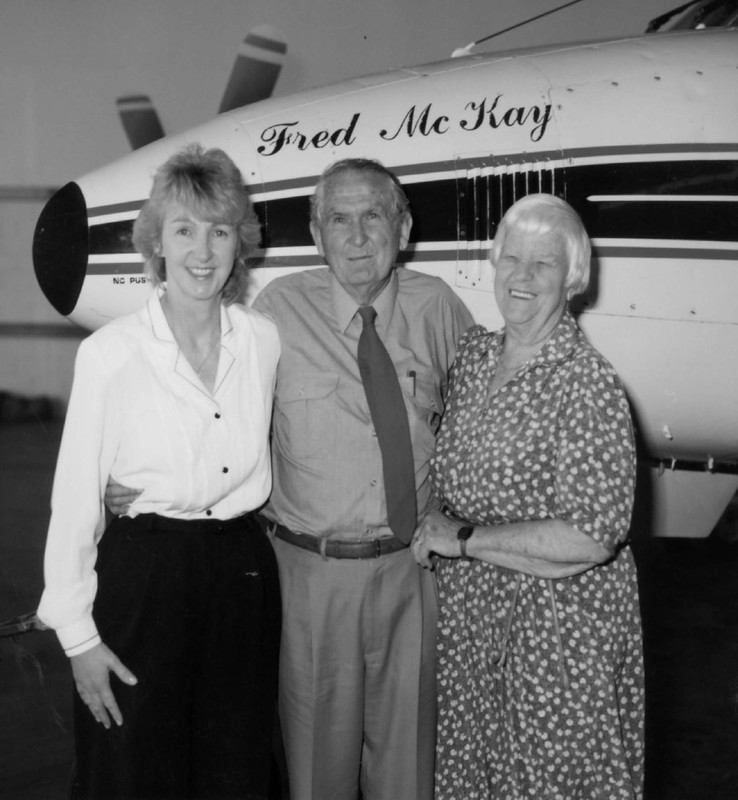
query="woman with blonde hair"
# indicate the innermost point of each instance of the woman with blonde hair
(179, 597)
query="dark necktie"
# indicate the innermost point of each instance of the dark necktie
(389, 417)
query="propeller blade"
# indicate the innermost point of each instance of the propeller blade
(257, 68)
(140, 120)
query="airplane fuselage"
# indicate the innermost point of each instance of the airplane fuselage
(639, 135)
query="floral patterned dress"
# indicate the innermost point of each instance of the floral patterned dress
(540, 681)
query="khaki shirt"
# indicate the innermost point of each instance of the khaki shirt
(326, 460)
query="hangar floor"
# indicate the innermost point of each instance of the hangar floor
(689, 597)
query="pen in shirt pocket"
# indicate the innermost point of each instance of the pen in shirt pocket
(411, 374)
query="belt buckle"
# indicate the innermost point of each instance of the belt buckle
(377, 548)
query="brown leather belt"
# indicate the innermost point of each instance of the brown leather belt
(340, 548)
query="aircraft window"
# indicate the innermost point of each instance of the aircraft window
(701, 14)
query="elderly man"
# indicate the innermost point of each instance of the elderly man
(357, 668)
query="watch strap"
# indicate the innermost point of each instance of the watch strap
(463, 535)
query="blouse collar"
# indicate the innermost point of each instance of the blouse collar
(160, 326)
(558, 347)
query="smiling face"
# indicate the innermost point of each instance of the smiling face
(530, 281)
(359, 232)
(199, 255)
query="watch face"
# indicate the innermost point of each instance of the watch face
(464, 532)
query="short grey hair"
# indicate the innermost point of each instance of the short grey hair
(400, 203)
(541, 213)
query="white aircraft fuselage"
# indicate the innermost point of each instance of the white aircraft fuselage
(639, 135)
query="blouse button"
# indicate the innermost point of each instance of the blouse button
(217, 416)
(225, 469)
(209, 513)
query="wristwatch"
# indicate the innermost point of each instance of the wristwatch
(463, 535)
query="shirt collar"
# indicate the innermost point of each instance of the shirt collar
(562, 342)
(345, 306)
(160, 326)
(558, 347)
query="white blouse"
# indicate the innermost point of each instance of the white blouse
(139, 414)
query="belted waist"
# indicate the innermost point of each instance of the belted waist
(156, 522)
(339, 548)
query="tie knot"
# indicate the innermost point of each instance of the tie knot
(368, 315)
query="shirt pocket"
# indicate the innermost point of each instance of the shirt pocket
(425, 407)
(305, 415)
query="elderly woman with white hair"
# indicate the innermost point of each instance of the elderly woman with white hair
(540, 658)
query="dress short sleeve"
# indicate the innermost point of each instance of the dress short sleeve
(595, 469)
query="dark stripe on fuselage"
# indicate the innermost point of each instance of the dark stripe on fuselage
(413, 255)
(116, 268)
(468, 209)
(605, 155)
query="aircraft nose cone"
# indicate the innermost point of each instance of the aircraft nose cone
(60, 248)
